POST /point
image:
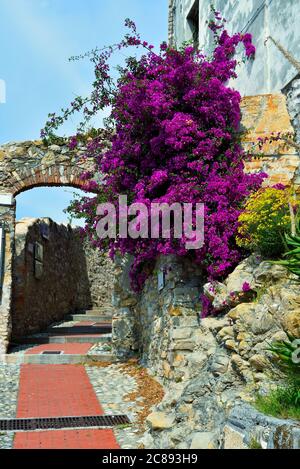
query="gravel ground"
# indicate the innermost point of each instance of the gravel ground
(9, 382)
(112, 386)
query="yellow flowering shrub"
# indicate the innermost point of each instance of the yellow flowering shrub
(265, 219)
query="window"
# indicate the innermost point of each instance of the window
(193, 23)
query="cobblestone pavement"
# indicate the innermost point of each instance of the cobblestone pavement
(108, 388)
(112, 385)
(9, 384)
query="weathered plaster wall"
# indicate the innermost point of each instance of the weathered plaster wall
(63, 284)
(292, 92)
(271, 71)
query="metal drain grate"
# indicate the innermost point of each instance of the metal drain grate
(63, 422)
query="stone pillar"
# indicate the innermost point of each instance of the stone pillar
(159, 323)
(168, 315)
(7, 223)
(124, 327)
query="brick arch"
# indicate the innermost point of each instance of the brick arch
(23, 166)
(26, 165)
(54, 175)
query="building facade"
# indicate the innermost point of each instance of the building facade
(277, 20)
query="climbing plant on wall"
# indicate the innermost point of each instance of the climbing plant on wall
(174, 137)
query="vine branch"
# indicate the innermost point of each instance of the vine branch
(285, 52)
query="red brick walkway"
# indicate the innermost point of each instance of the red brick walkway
(66, 439)
(69, 348)
(58, 391)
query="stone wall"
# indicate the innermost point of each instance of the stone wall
(263, 116)
(101, 276)
(24, 165)
(158, 323)
(73, 277)
(29, 164)
(209, 387)
(50, 279)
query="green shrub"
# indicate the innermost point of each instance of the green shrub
(264, 221)
(285, 353)
(280, 403)
(292, 247)
(284, 401)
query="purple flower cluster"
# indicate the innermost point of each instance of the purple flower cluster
(176, 139)
(246, 287)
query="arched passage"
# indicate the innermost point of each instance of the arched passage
(23, 166)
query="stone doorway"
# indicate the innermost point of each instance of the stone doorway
(24, 166)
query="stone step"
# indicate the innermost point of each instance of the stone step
(57, 339)
(62, 359)
(79, 330)
(89, 317)
(100, 311)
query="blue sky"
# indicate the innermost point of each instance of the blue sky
(36, 39)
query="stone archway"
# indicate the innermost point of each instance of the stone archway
(29, 164)
(23, 166)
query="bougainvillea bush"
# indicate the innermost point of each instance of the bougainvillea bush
(175, 138)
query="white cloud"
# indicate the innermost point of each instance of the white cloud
(2, 92)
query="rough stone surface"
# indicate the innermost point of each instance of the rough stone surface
(248, 425)
(101, 274)
(202, 440)
(160, 421)
(24, 165)
(9, 385)
(229, 365)
(112, 386)
(7, 219)
(159, 323)
(73, 276)
(27, 164)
